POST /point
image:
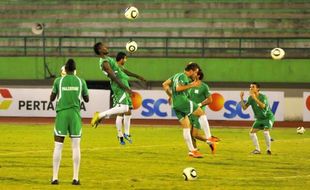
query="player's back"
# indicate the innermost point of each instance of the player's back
(69, 92)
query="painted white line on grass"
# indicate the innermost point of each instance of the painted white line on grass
(268, 177)
(93, 149)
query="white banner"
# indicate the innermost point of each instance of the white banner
(153, 104)
(32, 102)
(306, 106)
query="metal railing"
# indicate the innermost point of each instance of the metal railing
(204, 47)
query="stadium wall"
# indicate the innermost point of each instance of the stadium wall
(159, 69)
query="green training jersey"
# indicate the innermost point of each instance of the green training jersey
(260, 113)
(69, 90)
(179, 79)
(199, 93)
(123, 77)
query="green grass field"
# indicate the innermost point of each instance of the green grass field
(154, 161)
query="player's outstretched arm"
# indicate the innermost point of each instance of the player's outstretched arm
(106, 67)
(134, 75)
(180, 87)
(206, 101)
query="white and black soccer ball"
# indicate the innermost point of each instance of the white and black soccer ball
(131, 12)
(277, 53)
(189, 174)
(131, 46)
(300, 130)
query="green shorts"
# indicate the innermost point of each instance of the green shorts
(194, 121)
(68, 120)
(120, 96)
(183, 106)
(263, 124)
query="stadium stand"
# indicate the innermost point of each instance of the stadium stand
(212, 19)
(190, 28)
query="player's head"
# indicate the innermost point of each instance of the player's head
(70, 66)
(200, 74)
(255, 87)
(121, 58)
(192, 69)
(101, 49)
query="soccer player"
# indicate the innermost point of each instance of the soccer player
(263, 115)
(202, 96)
(68, 90)
(121, 59)
(177, 88)
(119, 85)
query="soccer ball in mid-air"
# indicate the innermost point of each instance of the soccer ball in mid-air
(131, 12)
(300, 130)
(277, 53)
(131, 46)
(189, 174)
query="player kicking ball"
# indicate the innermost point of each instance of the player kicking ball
(263, 115)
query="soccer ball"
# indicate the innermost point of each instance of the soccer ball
(131, 12)
(131, 46)
(277, 53)
(37, 28)
(189, 174)
(300, 130)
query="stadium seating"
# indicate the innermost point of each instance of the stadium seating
(173, 19)
(212, 19)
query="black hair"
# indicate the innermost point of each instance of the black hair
(256, 84)
(70, 65)
(97, 47)
(192, 66)
(120, 56)
(200, 73)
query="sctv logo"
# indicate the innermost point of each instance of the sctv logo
(233, 108)
(151, 107)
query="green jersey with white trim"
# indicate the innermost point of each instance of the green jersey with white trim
(179, 79)
(69, 90)
(123, 77)
(260, 113)
(199, 93)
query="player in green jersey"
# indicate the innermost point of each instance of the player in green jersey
(263, 115)
(121, 59)
(202, 96)
(68, 90)
(177, 88)
(119, 85)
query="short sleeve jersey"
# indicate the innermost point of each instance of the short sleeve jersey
(199, 93)
(123, 77)
(260, 113)
(179, 79)
(69, 90)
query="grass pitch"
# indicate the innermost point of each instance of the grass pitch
(155, 160)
